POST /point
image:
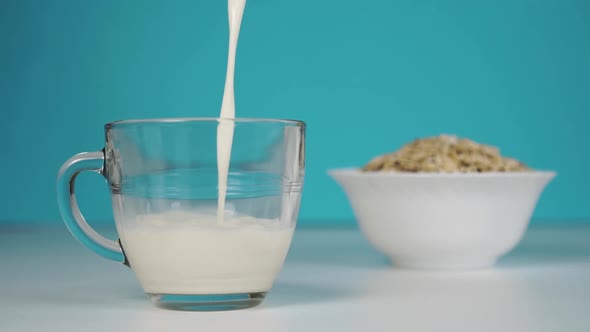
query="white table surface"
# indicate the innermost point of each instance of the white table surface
(332, 281)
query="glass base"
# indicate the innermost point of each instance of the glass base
(213, 302)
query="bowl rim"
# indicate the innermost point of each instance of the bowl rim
(356, 171)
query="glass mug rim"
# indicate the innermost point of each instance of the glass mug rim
(123, 123)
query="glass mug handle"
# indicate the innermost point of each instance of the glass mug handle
(68, 206)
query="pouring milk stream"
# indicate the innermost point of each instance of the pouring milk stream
(225, 129)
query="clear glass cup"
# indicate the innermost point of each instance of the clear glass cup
(163, 179)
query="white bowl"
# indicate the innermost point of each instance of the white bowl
(443, 221)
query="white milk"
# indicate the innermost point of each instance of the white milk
(225, 129)
(179, 252)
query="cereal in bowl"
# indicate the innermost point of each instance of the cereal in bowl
(445, 154)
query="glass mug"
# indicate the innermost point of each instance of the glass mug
(163, 179)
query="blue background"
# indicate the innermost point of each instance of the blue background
(367, 76)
